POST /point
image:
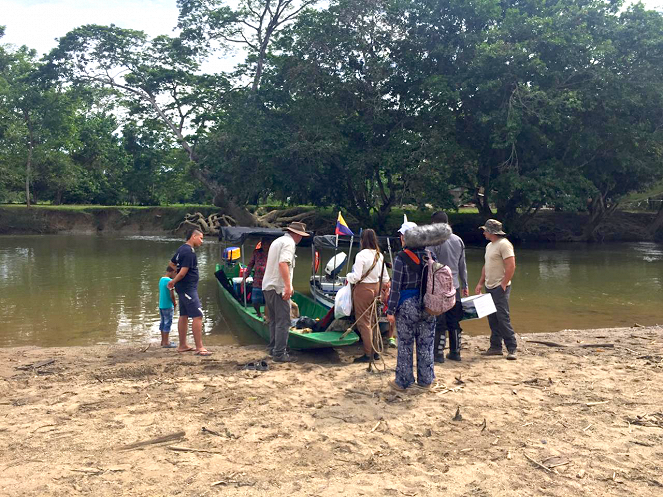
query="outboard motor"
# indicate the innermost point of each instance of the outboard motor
(335, 264)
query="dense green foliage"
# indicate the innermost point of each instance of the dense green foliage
(520, 104)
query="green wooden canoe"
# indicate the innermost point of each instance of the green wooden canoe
(296, 340)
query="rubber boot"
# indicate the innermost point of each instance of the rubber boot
(454, 345)
(440, 342)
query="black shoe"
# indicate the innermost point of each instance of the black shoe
(363, 358)
(284, 358)
(376, 357)
(438, 359)
(453, 356)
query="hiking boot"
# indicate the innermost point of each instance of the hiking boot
(511, 355)
(455, 356)
(396, 386)
(492, 351)
(284, 358)
(361, 359)
(438, 358)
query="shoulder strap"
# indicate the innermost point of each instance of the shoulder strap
(411, 259)
(375, 261)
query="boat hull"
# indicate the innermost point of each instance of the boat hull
(296, 340)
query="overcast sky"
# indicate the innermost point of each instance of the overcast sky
(37, 23)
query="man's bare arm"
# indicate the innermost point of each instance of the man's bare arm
(178, 277)
(509, 270)
(482, 280)
(284, 270)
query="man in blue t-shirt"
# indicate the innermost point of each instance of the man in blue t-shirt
(186, 286)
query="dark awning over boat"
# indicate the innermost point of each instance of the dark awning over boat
(329, 241)
(238, 234)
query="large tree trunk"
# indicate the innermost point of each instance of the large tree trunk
(598, 210)
(220, 193)
(28, 165)
(657, 222)
(482, 200)
(221, 200)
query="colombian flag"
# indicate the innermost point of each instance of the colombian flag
(342, 226)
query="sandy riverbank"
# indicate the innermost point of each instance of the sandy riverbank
(326, 427)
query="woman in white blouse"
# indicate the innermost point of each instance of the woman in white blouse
(365, 276)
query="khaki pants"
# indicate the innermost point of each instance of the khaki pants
(363, 296)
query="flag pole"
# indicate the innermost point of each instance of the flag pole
(352, 239)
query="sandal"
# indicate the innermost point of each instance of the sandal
(261, 366)
(203, 353)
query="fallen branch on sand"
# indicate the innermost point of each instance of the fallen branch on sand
(177, 448)
(36, 365)
(361, 392)
(654, 420)
(538, 464)
(375, 427)
(583, 345)
(153, 441)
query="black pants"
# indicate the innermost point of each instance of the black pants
(449, 321)
(500, 322)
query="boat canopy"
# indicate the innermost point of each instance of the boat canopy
(238, 234)
(329, 241)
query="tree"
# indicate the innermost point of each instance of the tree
(252, 24)
(37, 117)
(621, 132)
(347, 124)
(155, 79)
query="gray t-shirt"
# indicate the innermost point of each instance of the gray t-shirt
(281, 250)
(452, 254)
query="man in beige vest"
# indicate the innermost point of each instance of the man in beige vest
(496, 274)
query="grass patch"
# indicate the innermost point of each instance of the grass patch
(90, 207)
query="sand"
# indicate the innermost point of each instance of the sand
(558, 421)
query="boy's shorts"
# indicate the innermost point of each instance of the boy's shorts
(166, 320)
(190, 304)
(257, 297)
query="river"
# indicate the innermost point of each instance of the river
(62, 290)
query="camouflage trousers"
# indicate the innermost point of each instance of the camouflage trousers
(414, 326)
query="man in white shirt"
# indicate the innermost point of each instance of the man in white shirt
(277, 289)
(496, 274)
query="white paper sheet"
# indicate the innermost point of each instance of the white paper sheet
(483, 304)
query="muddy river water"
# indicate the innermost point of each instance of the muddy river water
(77, 290)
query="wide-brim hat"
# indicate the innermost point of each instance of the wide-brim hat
(493, 226)
(298, 228)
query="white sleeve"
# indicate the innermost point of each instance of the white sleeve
(287, 253)
(357, 269)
